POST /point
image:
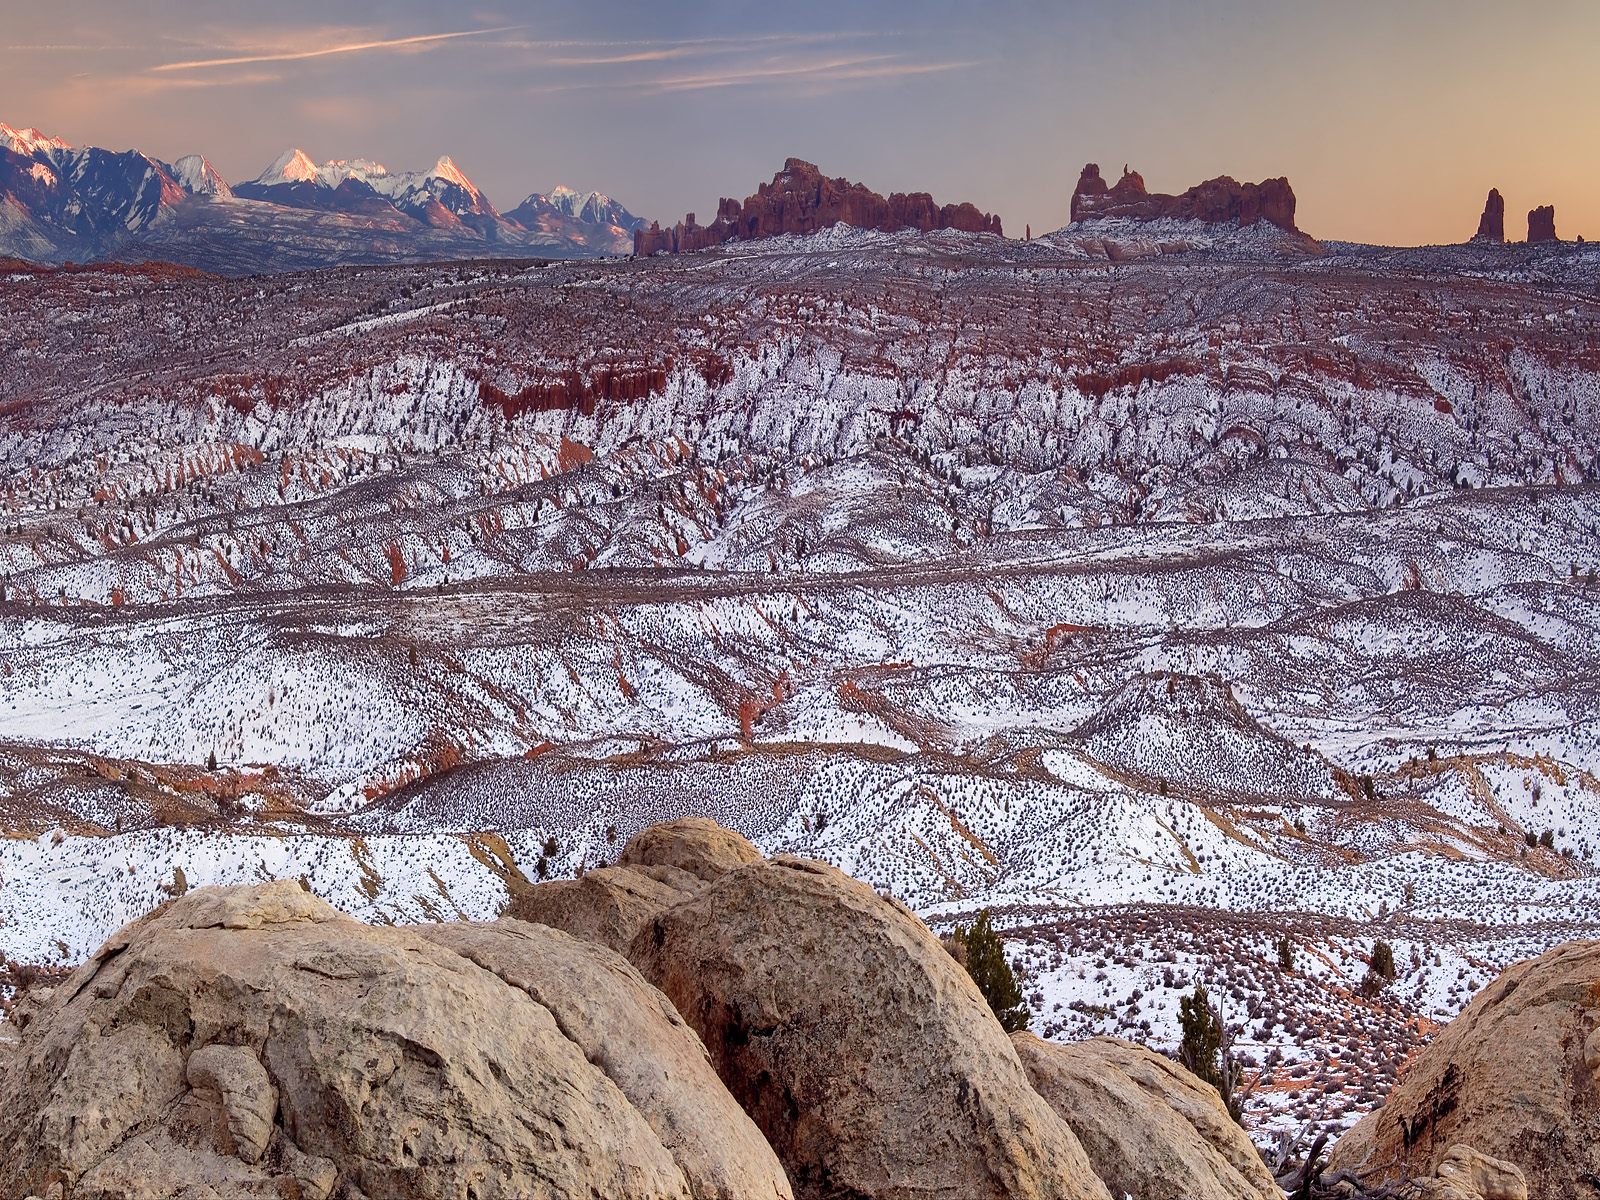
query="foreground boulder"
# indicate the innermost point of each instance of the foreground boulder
(631, 1032)
(607, 906)
(659, 867)
(697, 845)
(1515, 1077)
(251, 1041)
(1466, 1174)
(1151, 1128)
(862, 1050)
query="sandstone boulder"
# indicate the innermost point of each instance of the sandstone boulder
(1466, 1174)
(1492, 224)
(697, 845)
(861, 1049)
(608, 905)
(251, 1041)
(1150, 1128)
(1516, 1076)
(632, 1033)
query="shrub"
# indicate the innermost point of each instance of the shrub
(1285, 953)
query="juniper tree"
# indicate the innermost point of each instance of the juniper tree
(981, 951)
(1206, 1048)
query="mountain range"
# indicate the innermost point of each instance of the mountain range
(61, 203)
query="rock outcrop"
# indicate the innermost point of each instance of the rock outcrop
(800, 199)
(1542, 224)
(697, 845)
(1466, 1174)
(1492, 224)
(607, 906)
(1150, 1128)
(857, 1044)
(1516, 1077)
(659, 867)
(1222, 200)
(632, 1033)
(251, 1041)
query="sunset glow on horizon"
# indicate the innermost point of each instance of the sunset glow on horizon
(1391, 121)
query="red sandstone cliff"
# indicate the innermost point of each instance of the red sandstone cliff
(800, 199)
(1217, 201)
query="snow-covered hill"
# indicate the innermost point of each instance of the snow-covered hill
(1167, 603)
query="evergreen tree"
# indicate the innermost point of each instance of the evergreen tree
(1205, 1048)
(981, 951)
(1383, 960)
(1285, 953)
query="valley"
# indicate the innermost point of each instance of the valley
(1168, 589)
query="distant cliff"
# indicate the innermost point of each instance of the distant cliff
(800, 199)
(1222, 200)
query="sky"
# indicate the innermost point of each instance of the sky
(1391, 119)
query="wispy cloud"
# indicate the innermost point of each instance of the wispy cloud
(325, 51)
(854, 69)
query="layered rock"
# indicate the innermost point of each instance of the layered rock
(1515, 1077)
(860, 1048)
(1542, 224)
(801, 200)
(1492, 224)
(1150, 1128)
(253, 1042)
(1222, 200)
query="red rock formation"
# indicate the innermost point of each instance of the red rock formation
(800, 199)
(1542, 224)
(1492, 225)
(1216, 201)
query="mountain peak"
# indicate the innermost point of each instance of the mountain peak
(197, 175)
(29, 141)
(446, 170)
(292, 166)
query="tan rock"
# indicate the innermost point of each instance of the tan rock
(1466, 1174)
(607, 906)
(694, 844)
(630, 1031)
(865, 1054)
(402, 1069)
(234, 1077)
(1150, 1128)
(1510, 1077)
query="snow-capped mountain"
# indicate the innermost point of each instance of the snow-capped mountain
(60, 203)
(442, 196)
(199, 177)
(591, 208)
